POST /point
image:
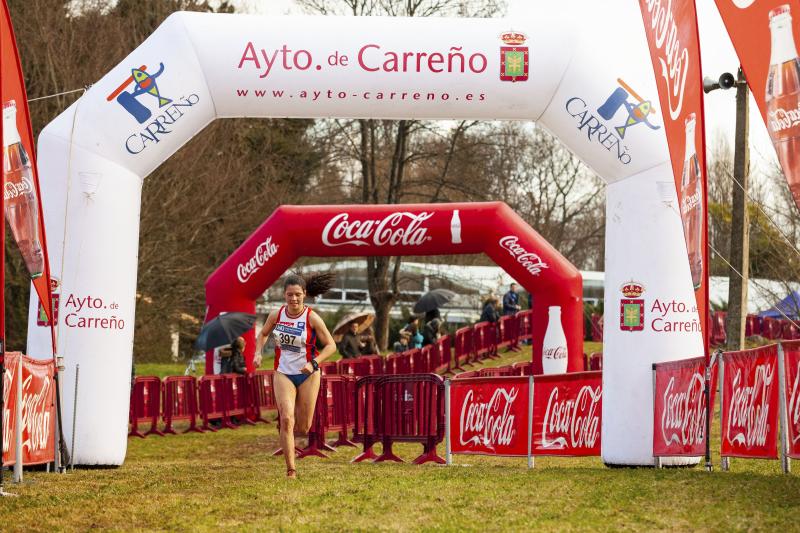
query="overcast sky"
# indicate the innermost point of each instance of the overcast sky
(717, 56)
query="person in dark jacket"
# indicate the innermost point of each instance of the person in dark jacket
(232, 359)
(430, 332)
(489, 313)
(350, 346)
(511, 301)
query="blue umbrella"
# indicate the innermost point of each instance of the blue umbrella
(223, 329)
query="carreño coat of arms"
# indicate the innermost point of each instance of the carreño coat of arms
(631, 308)
(513, 57)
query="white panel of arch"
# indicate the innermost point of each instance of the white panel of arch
(575, 60)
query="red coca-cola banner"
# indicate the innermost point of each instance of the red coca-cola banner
(21, 198)
(671, 29)
(489, 416)
(566, 414)
(764, 34)
(791, 362)
(9, 407)
(38, 410)
(679, 407)
(750, 403)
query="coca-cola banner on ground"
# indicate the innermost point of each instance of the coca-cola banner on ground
(12, 359)
(750, 403)
(679, 418)
(671, 29)
(791, 361)
(489, 416)
(38, 411)
(566, 414)
(765, 34)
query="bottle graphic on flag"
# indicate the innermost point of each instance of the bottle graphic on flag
(782, 97)
(692, 204)
(21, 206)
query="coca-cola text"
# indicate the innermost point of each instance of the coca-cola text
(488, 424)
(572, 422)
(397, 229)
(748, 414)
(529, 260)
(264, 252)
(684, 418)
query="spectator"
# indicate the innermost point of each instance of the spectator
(412, 325)
(416, 338)
(511, 301)
(489, 313)
(232, 358)
(350, 346)
(433, 322)
(401, 345)
(368, 344)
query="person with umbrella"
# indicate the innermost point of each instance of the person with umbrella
(295, 329)
(347, 333)
(429, 304)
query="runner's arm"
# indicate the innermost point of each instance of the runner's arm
(263, 335)
(324, 336)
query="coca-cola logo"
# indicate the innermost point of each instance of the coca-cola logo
(13, 190)
(690, 201)
(36, 414)
(748, 411)
(673, 58)
(783, 119)
(8, 377)
(264, 252)
(488, 424)
(529, 260)
(556, 353)
(684, 418)
(794, 407)
(572, 422)
(397, 229)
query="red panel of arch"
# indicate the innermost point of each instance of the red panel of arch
(295, 231)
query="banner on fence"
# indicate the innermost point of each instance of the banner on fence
(792, 388)
(566, 414)
(679, 403)
(9, 407)
(750, 403)
(38, 410)
(489, 416)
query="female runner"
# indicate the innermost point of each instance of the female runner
(295, 329)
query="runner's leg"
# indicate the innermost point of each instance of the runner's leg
(285, 394)
(306, 402)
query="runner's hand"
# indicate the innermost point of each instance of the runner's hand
(257, 360)
(307, 369)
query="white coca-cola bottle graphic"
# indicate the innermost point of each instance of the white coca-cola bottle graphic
(692, 204)
(22, 212)
(455, 228)
(554, 346)
(782, 97)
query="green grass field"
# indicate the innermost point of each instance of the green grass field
(229, 480)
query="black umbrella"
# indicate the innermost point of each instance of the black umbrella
(223, 330)
(433, 300)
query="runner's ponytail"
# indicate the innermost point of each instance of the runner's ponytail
(313, 284)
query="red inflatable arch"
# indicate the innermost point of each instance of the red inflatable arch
(492, 228)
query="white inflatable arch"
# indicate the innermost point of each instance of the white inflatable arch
(578, 69)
